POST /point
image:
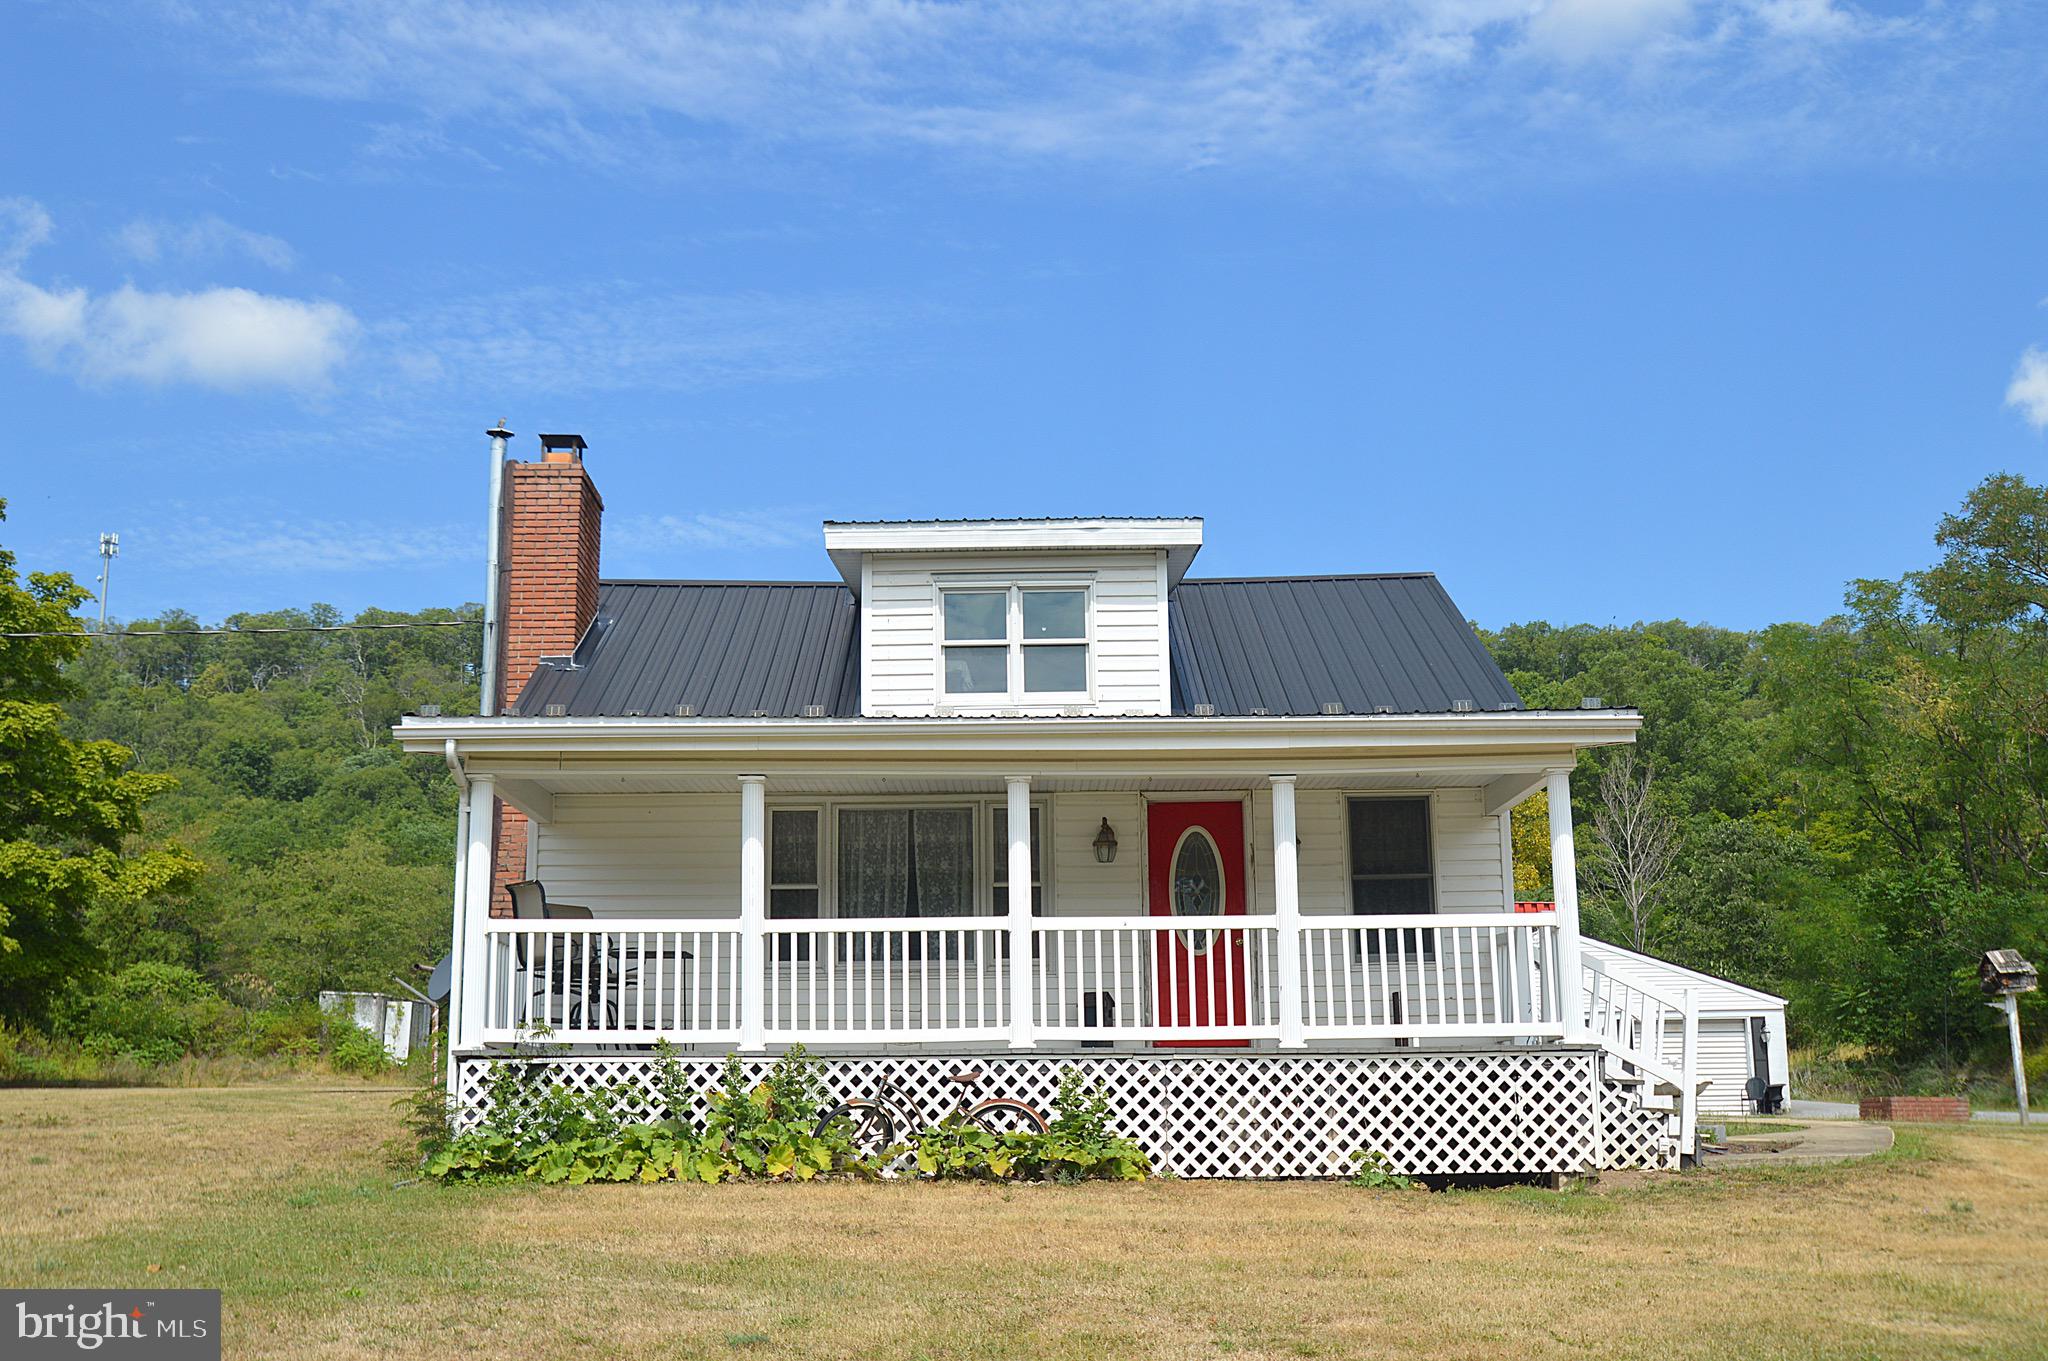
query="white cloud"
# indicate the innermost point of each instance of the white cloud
(2028, 392)
(1579, 30)
(1401, 84)
(725, 529)
(203, 239)
(229, 338)
(24, 225)
(309, 545)
(609, 337)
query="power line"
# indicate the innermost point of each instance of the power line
(278, 628)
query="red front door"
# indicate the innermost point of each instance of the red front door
(1196, 869)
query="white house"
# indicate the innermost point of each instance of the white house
(1263, 822)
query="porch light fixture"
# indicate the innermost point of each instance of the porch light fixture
(1105, 844)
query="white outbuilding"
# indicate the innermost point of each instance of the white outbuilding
(1741, 1034)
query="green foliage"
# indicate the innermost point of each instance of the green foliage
(765, 1131)
(1371, 1171)
(327, 854)
(151, 1013)
(70, 811)
(755, 1131)
(1862, 803)
(353, 1049)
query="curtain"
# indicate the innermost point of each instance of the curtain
(874, 862)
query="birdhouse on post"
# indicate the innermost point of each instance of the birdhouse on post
(2002, 973)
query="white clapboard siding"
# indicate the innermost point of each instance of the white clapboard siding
(643, 855)
(1467, 851)
(1080, 886)
(1724, 1062)
(900, 620)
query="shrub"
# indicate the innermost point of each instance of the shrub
(352, 1049)
(151, 1013)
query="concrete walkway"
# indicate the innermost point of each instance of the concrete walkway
(1822, 1141)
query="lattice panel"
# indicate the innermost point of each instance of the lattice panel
(1634, 1135)
(1253, 1115)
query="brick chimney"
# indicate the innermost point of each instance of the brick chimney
(549, 595)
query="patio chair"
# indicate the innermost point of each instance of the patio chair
(565, 969)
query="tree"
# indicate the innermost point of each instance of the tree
(68, 809)
(1633, 845)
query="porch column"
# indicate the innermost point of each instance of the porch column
(1564, 881)
(466, 1007)
(1287, 912)
(1018, 816)
(753, 912)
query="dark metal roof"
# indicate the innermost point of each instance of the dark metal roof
(1292, 645)
(728, 649)
(1279, 645)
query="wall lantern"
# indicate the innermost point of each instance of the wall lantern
(1105, 844)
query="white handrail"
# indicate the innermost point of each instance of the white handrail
(1630, 1021)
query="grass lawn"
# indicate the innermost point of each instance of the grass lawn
(277, 1195)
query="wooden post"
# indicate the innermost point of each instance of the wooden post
(1287, 913)
(1564, 887)
(1689, 1071)
(2019, 1067)
(466, 1008)
(1017, 789)
(753, 913)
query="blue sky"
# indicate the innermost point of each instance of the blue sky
(1601, 309)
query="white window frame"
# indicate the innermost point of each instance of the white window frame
(986, 853)
(1014, 642)
(1431, 811)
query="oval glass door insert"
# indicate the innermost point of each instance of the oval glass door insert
(1197, 884)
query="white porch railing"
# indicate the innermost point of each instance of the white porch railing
(950, 980)
(893, 980)
(609, 982)
(1631, 1021)
(1478, 974)
(1194, 979)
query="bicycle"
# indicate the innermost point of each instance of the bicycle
(874, 1120)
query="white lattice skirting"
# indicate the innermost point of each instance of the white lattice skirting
(1431, 1113)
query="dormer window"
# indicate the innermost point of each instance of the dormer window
(1017, 641)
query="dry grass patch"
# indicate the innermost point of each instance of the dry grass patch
(277, 1197)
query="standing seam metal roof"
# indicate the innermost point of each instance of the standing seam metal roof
(1276, 645)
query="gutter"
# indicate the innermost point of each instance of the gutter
(1566, 729)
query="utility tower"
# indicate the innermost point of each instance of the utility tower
(110, 548)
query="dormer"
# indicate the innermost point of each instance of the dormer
(1013, 617)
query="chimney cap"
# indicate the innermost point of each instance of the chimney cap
(499, 431)
(552, 442)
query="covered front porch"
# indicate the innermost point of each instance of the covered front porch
(1350, 900)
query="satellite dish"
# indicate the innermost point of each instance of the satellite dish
(440, 983)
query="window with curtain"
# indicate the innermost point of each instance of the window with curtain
(906, 862)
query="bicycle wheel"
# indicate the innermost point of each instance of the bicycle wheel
(1001, 1116)
(867, 1125)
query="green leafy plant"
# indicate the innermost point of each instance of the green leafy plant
(352, 1049)
(1371, 1170)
